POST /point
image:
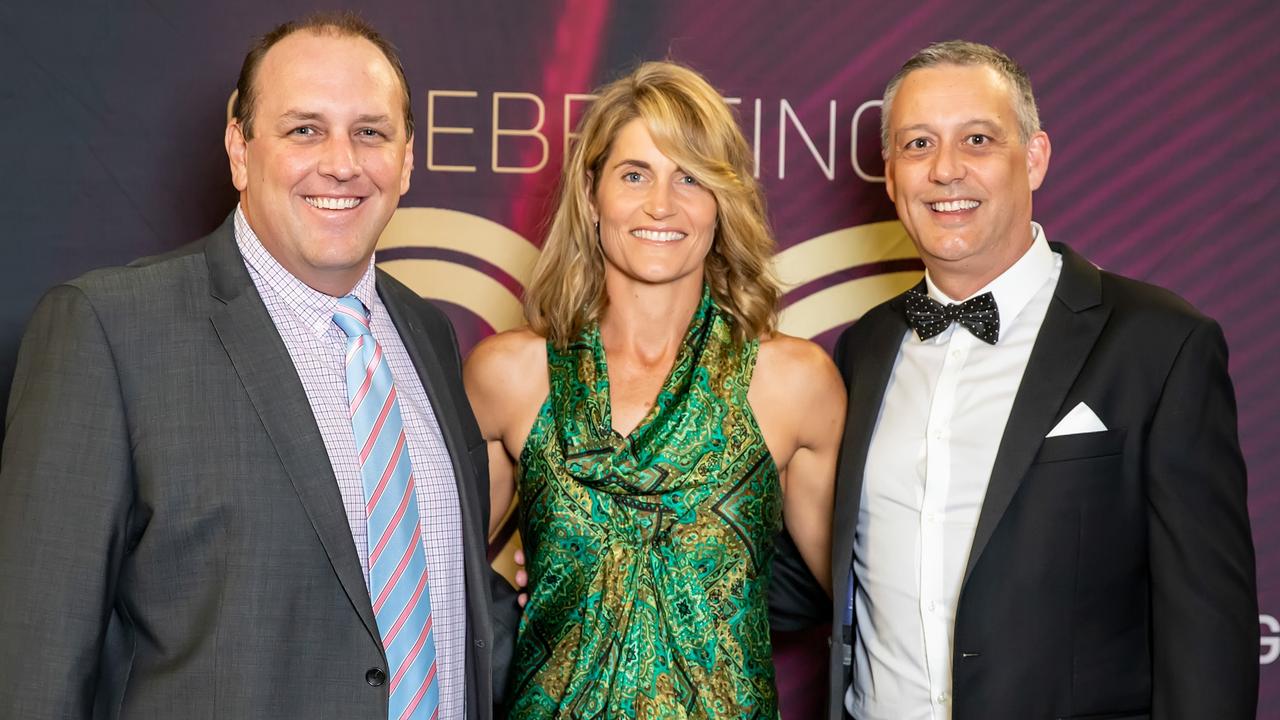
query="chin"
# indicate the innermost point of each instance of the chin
(950, 249)
(347, 259)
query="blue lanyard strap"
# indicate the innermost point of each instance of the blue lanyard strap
(847, 630)
(848, 600)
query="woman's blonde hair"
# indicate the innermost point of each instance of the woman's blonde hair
(691, 124)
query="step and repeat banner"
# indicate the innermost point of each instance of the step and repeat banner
(1163, 118)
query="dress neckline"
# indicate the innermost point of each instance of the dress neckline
(676, 382)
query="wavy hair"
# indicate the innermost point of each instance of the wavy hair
(691, 124)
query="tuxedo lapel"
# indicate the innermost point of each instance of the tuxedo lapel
(867, 366)
(865, 356)
(1074, 320)
(262, 362)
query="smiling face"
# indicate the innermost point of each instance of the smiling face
(657, 222)
(329, 159)
(960, 175)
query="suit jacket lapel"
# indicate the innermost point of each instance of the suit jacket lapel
(1075, 318)
(444, 397)
(419, 344)
(260, 358)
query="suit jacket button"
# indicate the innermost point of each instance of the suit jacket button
(375, 677)
(480, 644)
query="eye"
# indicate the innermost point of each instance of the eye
(689, 180)
(979, 140)
(304, 131)
(368, 132)
(632, 177)
(918, 144)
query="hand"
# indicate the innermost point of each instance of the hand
(522, 578)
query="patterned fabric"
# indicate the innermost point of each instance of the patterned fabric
(397, 568)
(650, 555)
(928, 317)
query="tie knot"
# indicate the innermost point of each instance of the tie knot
(351, 316)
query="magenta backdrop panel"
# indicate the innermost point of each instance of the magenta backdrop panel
(1163, 118)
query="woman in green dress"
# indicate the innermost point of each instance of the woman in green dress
(658, 429)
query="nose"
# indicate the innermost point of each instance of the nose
(947, 166)
(658, 204)
(338, 158)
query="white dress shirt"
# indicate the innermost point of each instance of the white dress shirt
(304, 318)
(930, 459)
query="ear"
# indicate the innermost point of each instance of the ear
(407, 167)
(238, 155)
(1038, 152)
(888, 176)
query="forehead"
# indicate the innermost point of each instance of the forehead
(306, 69)
(635, 141)
(953, 94)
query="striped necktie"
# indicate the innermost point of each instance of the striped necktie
(397, 566)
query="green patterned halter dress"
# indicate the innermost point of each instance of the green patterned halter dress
(649, 555)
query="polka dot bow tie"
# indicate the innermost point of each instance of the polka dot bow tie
(928, 317)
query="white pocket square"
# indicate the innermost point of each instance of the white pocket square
(1080, 420)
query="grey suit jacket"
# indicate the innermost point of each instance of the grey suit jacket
(172, 539)
(1112, 573)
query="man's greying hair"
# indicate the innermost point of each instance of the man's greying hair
(965, 53)
(344, 24)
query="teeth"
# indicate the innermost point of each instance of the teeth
(328, 203)
(658, 236)
(954, 205)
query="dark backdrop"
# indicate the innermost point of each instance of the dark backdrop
(1163, 117)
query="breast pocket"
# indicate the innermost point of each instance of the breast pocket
(1081, 446)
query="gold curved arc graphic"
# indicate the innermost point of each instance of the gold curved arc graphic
(466, 233)
(840, 249)
(843, 303)
(489, 299)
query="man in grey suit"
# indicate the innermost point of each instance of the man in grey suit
(184, 527)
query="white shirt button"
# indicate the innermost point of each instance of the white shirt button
(933, 606)
(943, 698)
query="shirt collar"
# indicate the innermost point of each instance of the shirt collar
(314, 308)
(1015, 287)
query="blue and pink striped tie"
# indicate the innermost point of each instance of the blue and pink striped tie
(397, 567)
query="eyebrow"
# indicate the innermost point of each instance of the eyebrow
(300, 116)
(990, 125)
(305, 116)
(638, 163)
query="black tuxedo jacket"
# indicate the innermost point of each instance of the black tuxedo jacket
(172, 538)
(1111, 573)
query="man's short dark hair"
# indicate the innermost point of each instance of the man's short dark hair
(344, 24)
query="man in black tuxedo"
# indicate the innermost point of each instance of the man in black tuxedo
(1040, 510)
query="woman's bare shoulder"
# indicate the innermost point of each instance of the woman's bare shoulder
(793, 357)
(507, 363)
(512, 346)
